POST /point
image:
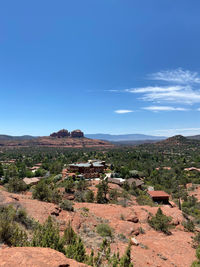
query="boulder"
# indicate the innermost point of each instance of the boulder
(134, 241)
(133, 219)
(56, 211)
(136, 232)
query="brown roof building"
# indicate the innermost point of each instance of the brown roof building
(159, 196)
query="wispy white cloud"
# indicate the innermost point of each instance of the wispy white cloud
(112, 90)
(175, 94)
(182, 87)
(164, 108)
(123, 111)
(155, 89)
(198, 109)
(179, 76)
(187, 96)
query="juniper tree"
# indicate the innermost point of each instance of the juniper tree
(125, 261)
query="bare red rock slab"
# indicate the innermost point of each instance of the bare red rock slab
(35, 257)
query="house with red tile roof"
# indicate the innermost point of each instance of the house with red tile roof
(159, 196)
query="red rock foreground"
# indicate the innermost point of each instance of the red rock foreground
(35, 257)
(155, 249)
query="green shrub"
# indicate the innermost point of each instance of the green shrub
(125, 261)
(67, 205)
(22, 217)
(42, 192)
(69, 185)
(189, 226)
(10, 232)
(69, 237)
(45, 192)
(160, 222)
(197, 263)
(47, 235)
(104, 230)
(196, 240)
(144, 200)
(79, 196)
(113, 195)
(89, 196)
(102, 192)
(16, 185)
(75, 248)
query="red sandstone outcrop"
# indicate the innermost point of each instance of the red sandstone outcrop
(77, 133)
(61, 134)
(35, 257)
(67, 142)
(154, 249)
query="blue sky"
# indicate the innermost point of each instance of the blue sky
(109, 66)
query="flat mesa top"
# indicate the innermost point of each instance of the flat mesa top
(158, 194)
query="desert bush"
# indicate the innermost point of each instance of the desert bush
(16, 185)
(104, 230)
(67, 205)
(79, 196)
(45, 192)
(42, 192)
(189, 226)
(69, 236)
(122, 238)
(81, 185)
(47, 235)
(10, 232)
(69, 185)
(102, 192)
(196, 240)
(89, 196)
(197, 262)
(144, 200)
(113, 195)
(22, 217)
(160, 222)
(75, 248)
(125, 261)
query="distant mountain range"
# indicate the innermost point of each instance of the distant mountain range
(194, 137)
(9, 137)
(125, 137)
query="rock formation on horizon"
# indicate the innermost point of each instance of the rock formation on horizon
(65, 133)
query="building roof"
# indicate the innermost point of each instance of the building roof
(114, 181)
(97, 164)
(158, 194)
(31, 180)
(192, 169)
(137, 182)
(85, 165)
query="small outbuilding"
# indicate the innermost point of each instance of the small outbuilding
(159, 196)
